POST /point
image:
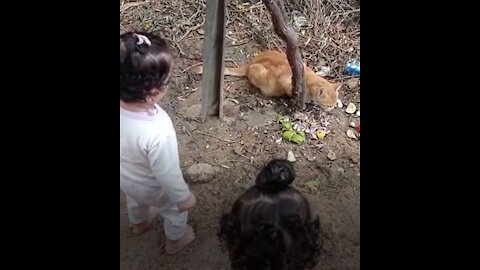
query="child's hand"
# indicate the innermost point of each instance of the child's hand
(188, 203)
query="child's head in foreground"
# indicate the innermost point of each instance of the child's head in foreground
(145, 66)
(270, 225)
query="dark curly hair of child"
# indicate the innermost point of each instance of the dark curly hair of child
(270, 225)
(145, 63)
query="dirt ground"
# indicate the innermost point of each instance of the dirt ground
(235, 150)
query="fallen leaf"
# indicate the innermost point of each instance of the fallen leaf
(313, 184)
(321, 134)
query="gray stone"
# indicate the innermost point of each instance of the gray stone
(201, 172)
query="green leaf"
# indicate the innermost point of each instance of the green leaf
(282, 119)
(298, 139)
(286, 126)
(288, 134)
(313, 184)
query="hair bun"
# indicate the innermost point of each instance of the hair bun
(277, 175)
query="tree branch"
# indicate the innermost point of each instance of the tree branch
(288, 35)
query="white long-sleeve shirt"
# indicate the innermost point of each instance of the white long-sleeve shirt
(149, 153)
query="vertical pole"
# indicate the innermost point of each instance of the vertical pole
(213, 64)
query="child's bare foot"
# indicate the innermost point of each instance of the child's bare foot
(140, 228)
(174, 246)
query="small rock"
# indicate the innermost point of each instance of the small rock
(331, 155)
(324, 71)
(339, 103)
(358, 114)
(200, 31)
(300, 21)
(201, 172)
(351, 108)
(291, 156)
(351, 134)
(352, 124)
(352, 83)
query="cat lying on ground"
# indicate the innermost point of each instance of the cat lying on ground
(271, 73)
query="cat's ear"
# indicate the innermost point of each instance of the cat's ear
(337, 86)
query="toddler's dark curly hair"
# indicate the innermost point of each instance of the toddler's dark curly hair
(145, 64)
(270, 225)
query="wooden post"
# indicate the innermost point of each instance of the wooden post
(213, 64)
(287, 34)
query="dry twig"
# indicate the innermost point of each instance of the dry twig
(213, 136)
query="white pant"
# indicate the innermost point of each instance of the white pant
(139, 200)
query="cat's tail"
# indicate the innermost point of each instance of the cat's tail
(238, 72)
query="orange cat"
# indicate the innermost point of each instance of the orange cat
(271, 73)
